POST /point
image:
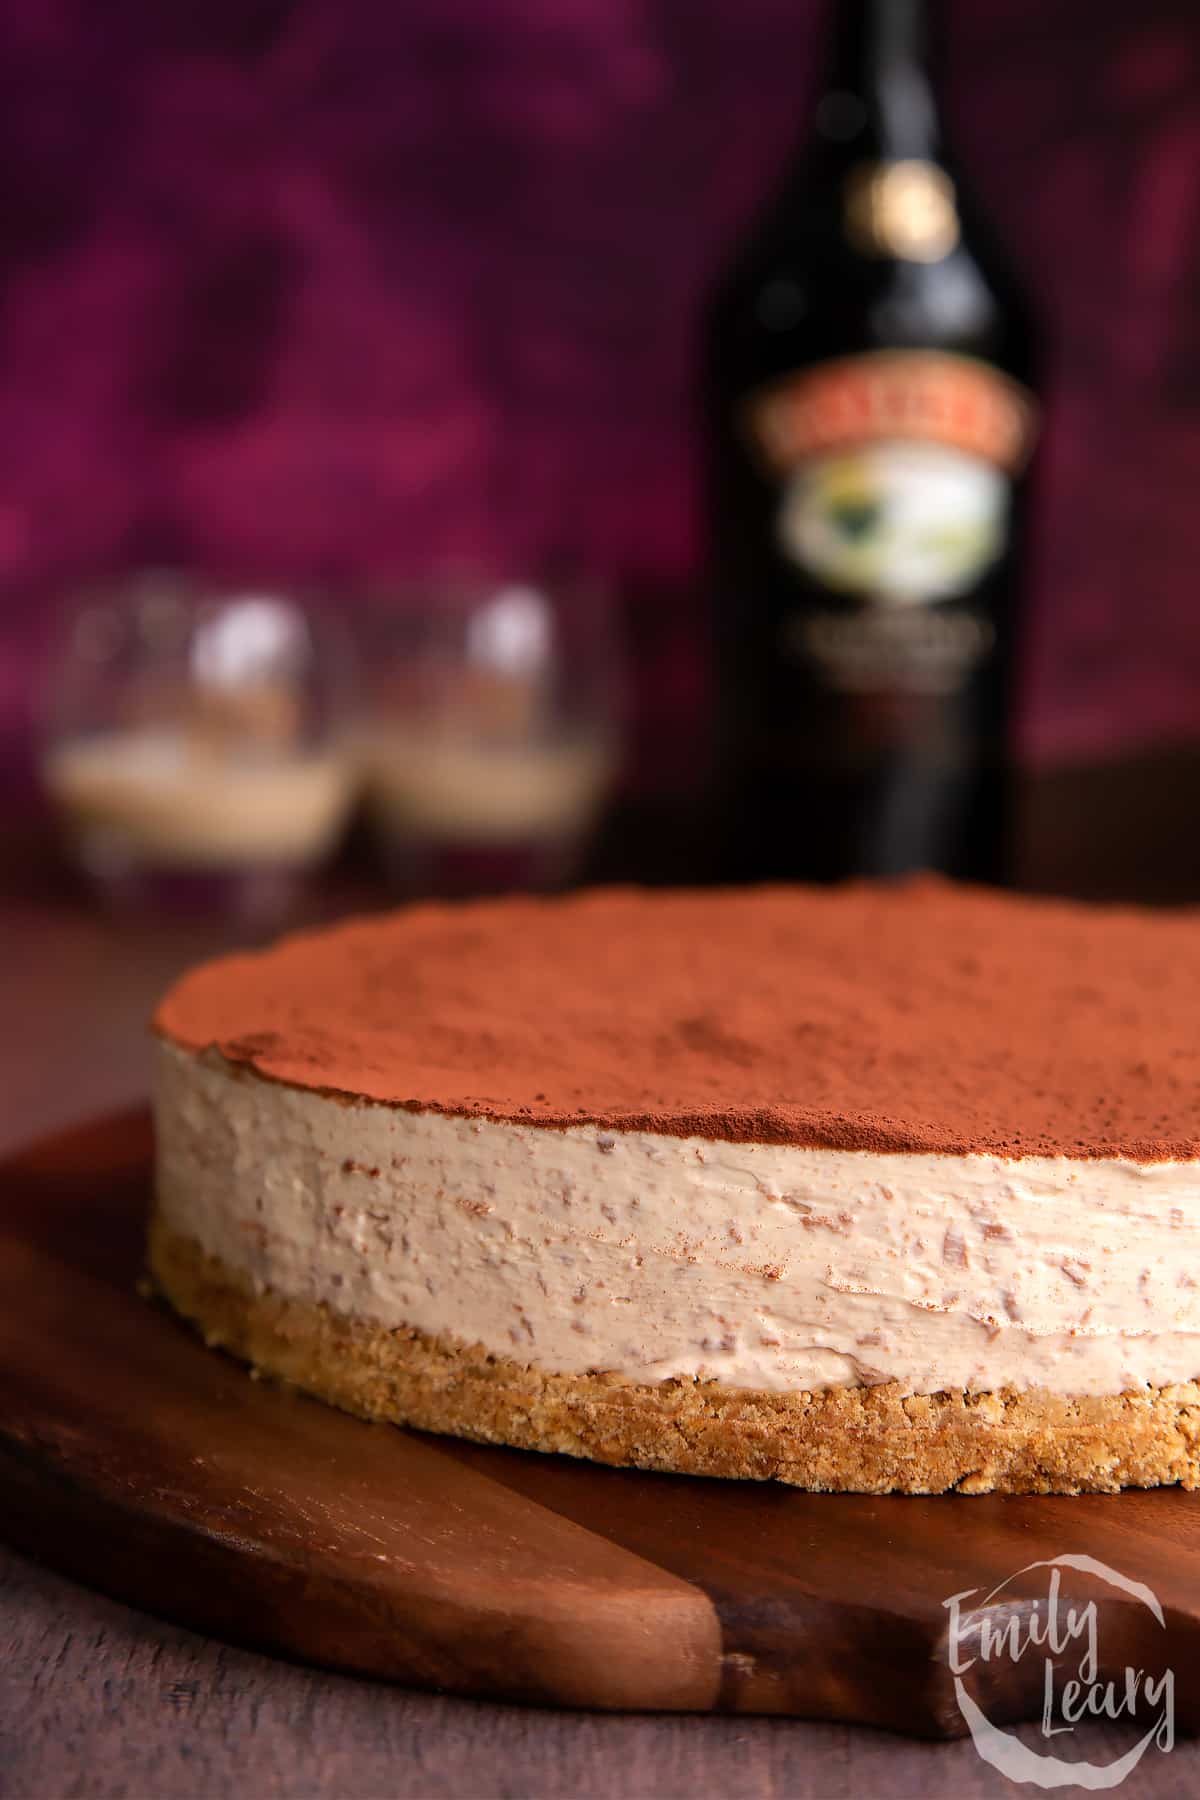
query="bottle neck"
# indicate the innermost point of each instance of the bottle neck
(879, 93)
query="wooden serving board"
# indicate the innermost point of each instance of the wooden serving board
(152, 1468)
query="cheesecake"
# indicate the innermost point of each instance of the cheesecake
(878, 1188)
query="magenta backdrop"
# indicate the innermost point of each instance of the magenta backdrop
(341, 286)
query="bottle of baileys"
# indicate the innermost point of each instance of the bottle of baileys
(871, 368)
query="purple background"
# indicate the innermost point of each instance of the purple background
(340, 286)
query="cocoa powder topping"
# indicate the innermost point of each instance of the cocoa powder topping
(914, 1017)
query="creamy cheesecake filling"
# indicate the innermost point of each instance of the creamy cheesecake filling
(764, 1266)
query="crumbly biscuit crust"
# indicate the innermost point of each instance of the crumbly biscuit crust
(871, 1440)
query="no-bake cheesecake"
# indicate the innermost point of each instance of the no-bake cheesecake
(879, 1188)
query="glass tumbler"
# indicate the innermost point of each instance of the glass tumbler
(195, 745)
(493, 740)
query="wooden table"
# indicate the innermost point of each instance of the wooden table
(99, 1700)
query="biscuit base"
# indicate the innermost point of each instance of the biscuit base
(864, 1440)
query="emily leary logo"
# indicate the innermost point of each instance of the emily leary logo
(1065, 1636)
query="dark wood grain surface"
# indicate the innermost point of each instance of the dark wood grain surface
(154, 1470)
(97, 1699)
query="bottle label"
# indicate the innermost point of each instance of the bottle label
(917, 650)
(896, 469)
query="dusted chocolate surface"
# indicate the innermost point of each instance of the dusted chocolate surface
(918, 1016)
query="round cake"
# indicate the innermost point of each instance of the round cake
(874, 1188)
